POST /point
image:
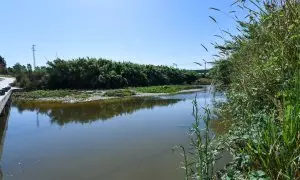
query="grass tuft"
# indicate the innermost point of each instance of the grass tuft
(166, 89)
(51, 94)
(119, 93)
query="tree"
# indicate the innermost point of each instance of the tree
(29, 70)
(2, 65)
(91, 73)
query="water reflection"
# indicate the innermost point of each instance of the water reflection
(135, 144)
(3, 127)
(92, 111)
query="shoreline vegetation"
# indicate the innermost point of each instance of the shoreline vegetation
(91, 79)
(78, 96)
(91, 73)
(260, 67)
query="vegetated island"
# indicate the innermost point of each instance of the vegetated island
(76, 96)
(90, 79)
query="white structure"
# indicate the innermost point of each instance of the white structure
(4, 82)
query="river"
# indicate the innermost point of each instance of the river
(129, 139)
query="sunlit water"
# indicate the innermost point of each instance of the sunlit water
(125, 140)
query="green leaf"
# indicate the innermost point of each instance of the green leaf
(212, 18)
(204, 47)
(214, 9)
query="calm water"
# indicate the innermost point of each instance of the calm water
(124, 140)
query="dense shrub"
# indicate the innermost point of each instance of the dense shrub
(90, 73)
(261, 67)
(265, 57)
(221, 72)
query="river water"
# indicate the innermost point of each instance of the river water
(130, 139)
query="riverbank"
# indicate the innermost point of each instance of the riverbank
(77, 96)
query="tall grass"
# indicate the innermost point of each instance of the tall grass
(263, 94)
(264, 90)
(274, 148)
(276, 151)
(200, 158)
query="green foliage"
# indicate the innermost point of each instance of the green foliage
(29, 79)
(199, 160)
(276, 148)
(269, 145)
(90, 73)
(119, 93)
(51, 94)
(166, 89)
(202, 71)
(258, 175)
(203, 81)
(3, 69)
(265, 57)
(104, 74)
(263, 94)
(221, 72)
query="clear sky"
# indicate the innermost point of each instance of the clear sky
(142, 31)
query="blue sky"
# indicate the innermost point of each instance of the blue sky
(142, 31)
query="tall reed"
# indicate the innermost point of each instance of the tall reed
(264, 91)
(200, 158)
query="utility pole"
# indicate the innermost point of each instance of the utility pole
(33, 55)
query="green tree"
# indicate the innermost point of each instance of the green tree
(3, 69)
(91, 73)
